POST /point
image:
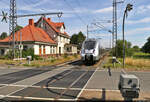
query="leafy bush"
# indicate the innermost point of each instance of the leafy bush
(30, 52)
(65, 55)
(36, 57)
(128, 50)
(75, 55)
(9, 55)
(53, 60)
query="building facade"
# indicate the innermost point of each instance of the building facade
(44, 36)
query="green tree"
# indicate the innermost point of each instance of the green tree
(18, 28)
(78, 39)
(74, 39)
(136, 48)
(146, 47)
(3, 35)
(128, 49)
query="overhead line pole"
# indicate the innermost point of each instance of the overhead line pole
(12, 23)
(114, 28)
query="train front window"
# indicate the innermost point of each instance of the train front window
(89, 45)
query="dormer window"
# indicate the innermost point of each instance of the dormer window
(62, 30)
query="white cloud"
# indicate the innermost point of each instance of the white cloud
(104, 10)
(144, 20)
(142, 9)
(138, 31)
(76, 30)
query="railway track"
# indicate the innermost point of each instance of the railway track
(64, 75)
(78, 74)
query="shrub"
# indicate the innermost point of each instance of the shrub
(53, 60)
(9, 55)
(30, 52)
(128, 50)
(75, 55)
(36, 57)
(65, 55)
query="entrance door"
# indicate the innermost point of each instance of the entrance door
(40, 50)
(59, 50)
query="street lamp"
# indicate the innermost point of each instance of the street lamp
(128, 8)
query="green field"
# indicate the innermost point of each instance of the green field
(141, 55)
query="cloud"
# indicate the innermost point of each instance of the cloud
(142, 9)
(138, 31)
(104, 10)
(75, 30)
(144, 20)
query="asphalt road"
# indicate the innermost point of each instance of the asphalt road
(61, 83)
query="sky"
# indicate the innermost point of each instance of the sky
(80, 13)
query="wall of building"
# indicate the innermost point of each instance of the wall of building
(49, 49)
(70, 49)
(74, 49)
(36, 49)
(48, 29)
(62, 30)
(61, 43)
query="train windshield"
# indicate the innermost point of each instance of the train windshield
(89, 45)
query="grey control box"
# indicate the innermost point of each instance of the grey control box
(129, 86)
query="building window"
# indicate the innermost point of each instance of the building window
(44, 50)
(25, 47)
(40, 50)
(52, 50)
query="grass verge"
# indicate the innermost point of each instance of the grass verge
(39, 63)
(130, 63)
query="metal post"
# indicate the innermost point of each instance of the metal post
(13, 22)
(20, 44)
(123, 39)
(128, 8)
(115, 28)
(87, 31)
(110, 42)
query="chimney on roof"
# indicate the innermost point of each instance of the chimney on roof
(49, 19)
(31, 22)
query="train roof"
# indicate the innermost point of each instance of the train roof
(91, 39)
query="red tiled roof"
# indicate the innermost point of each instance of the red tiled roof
(31, 33)
(59, 24)
(55, 25)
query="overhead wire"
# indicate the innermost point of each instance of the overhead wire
(75, 13)
(78, 3)
(90, 25)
